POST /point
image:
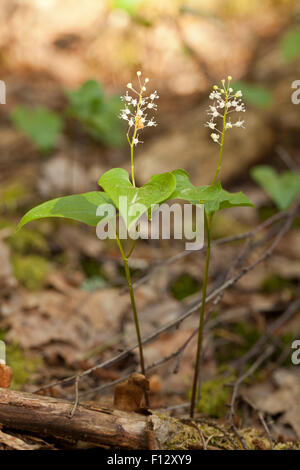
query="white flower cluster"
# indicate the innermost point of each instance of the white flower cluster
(136, 110)
(226, 101)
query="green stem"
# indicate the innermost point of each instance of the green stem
(134, 310)
(201, 321)
(131, 249)
(132, 165)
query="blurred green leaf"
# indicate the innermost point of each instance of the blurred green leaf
(290, 45)
(40, 124)
(97, 112)
(130, 6)
(255, 95)
(93, 284)
(281, 188)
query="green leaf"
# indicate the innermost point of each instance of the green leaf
(116, 184)
(281, 188)
(97, 112)
(290, 45)
(130, 6)
(187, 191)
(79, 207)
(226, 200)
(253, 94)
(40, 124)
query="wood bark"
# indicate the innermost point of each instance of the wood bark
(50, 418)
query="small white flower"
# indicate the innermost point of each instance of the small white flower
(135, 109)
(215, 95)
(151, 105)
(151, 123)
(226, 101)
(215, 137)
(239, 123)
(211, 125)
(154, 96)
(215, 114)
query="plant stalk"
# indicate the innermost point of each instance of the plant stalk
(201, 320)
(134, 311)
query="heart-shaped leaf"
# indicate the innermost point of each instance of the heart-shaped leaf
(79, 207)
(187, 191)
(131, 201)
(255, 94)
(290, 44)
(225, 200)
(42, 125)
(281, 188)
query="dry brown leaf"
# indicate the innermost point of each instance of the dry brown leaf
(280, 398)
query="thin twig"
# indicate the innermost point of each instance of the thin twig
(266, 428)
(76, 402)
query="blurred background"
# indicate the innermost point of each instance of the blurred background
(65, 64)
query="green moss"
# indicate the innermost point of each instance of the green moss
(26, 241)
(31, 271)
(275, 283)
(214, 396)
(184, 286)
(11, 194)
(22, 365)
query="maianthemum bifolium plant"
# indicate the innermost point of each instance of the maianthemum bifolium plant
(117, 184)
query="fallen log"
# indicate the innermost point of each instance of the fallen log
(49, 418)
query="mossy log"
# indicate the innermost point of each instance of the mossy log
(49, 417)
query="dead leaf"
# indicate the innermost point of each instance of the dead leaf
(282, 397)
